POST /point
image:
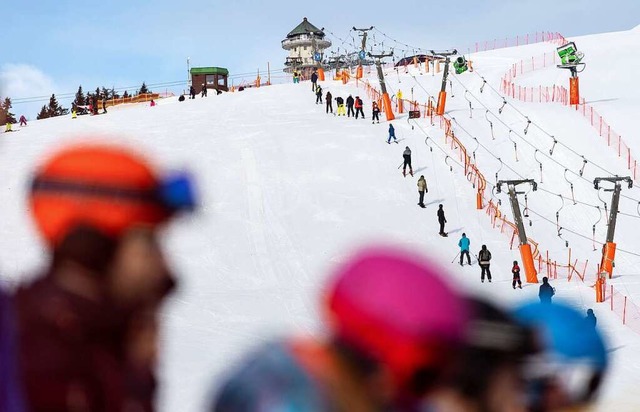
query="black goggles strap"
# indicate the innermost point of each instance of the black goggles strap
(84, 189)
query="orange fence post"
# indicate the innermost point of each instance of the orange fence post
(442, 99)
(320, 74)
(386, 102)
(574, 91)
(608, 257)
(359, 72)
(527, 262)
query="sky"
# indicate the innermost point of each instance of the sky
(55, 46)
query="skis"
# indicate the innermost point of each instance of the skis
(445, 234)
(395, 141)
(422, 205)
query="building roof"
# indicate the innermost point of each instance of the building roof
(305, 28)
(210, 70)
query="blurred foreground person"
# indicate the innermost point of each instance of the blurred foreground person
(567, 374)
(394, 330)
(87, 328)
(489, 373)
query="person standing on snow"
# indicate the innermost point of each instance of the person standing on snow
(484, 258)
(406, 155)
(329, 101)
(318, 94)
(192, 92)
(340, 104)
(204, 90)
(392, 133)
(515, 270)
(546, 291)
(104, 105)
(23, 121)
(375, 112)
(422, 188)
(464, 244)
(359, 106)
(441, 220)
(350, 103)
(314, 80)
(591, 318)
(8, 128)
(88, 327)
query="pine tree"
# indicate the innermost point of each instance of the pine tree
(80, 99)
(114, 94)
(125, 95)
(44, 113)
(6, 110)
(54, 108)
(144, 89)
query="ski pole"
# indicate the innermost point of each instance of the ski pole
(454, 259)
(400, 165)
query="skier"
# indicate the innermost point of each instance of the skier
(442, 220)
(406, 155)
(350, 103)
(422, 188)
(570, 348)
(23, 121)
(484, 258)
(546, 291)
(359, 107)
(464, 243)
(296, 77)
(318, 94)
(192, 92)
(314, 80)
(392, 133)
(204, 90)
(591, 318)
(375, 111)
(153, 103)
(340, 104)
(370, 361)
(8, 128)
(95, 104)
(91, 319)
(329, 102)
(74, 114)
(515, 270)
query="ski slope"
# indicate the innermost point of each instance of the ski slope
(287, 191)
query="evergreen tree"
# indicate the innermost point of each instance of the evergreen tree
(54, 108)
(44, 113)
(144, 89)
(105, 93)
(126, 94)
(5, 107)
(80, 99)
(114, 94)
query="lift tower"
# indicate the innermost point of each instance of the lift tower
(362, 54)
(525, 247)
(442, 96)
(386, 101)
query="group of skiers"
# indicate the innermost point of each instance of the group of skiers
(8, 128)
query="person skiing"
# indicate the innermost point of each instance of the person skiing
(375, 112)
(350, 103)
(104, 105)
(591, 318)
(441, 220)
(204, 90)
(394, 334)
(23, 121)
(392, 133)
(153, 103)
(406, 155)
(464, 244)
(422, 188)
(515, 270)
(88, 327)
(546, 291)
(8, 128)
(319, 94)
(314, 80)
(484, 258)
(340, 103)
(192, 92)
(329, 102)
(359, 107)
(296, 77)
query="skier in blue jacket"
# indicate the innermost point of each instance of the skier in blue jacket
(464, 243)
(392, 134)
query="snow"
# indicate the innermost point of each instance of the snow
(287, 191)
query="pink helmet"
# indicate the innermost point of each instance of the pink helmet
(395, 308)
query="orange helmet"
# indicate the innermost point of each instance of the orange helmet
(105, 187)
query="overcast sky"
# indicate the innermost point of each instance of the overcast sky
(54, 46)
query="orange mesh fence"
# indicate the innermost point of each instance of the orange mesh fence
(626, 310)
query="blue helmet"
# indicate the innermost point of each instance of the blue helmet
(572, 352)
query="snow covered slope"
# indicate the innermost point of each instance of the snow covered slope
(288, 190)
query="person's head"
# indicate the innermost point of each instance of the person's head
(545, 280)
(515, 263)
(464, 235)
(97, 208)
(484, 247)
(488, 376)
(590, 312)
(396, 319)
(440, 206)
(407, 147)
(573, 360)
(421, 176)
